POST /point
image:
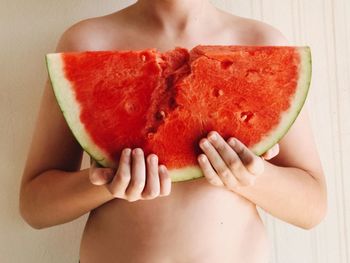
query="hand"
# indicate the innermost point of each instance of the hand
(130, 181)
(231, 164)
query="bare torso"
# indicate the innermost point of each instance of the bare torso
(197, 222)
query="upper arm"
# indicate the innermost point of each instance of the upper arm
(297, 147)
(53, 145)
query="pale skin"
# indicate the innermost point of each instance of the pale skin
(137, 214)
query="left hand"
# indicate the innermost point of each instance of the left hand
(231, 164)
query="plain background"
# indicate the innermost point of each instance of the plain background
(30, 28)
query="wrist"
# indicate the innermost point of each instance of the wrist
(107, 192)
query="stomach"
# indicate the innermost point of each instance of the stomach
(197, 222)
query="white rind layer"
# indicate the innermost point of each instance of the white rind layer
(65, 96)
(287, 121)
(297, 103)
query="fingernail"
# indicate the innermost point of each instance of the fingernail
(137, 151)
(153, 159)
(127, 152)
(205, 144)
(202, 159)
(162, 168)
(232, 141)
(213, 136)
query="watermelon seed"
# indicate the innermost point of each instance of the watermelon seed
(172, 103)
(246, 116)
(218, 92)
(160, 115)
(144, 56)
(169, 82)
(226, 64)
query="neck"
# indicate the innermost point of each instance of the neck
(174, 16)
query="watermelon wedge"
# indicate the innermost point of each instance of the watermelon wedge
(165, 102)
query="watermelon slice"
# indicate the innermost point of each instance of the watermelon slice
(165, 102)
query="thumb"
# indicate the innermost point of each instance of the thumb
(101, 176)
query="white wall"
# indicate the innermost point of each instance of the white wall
(29, 29)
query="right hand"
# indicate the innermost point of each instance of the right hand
(133, 181)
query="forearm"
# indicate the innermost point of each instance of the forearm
(290, 194)
(57, 197)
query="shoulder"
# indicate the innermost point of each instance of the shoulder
(267, 34)
(88, 34)
(255, 32)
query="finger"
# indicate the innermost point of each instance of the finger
(254, 164)
(100, 176)
(164, 180)
(267, 155)
(232, 158)
(246, 155)
(276, 149)
(227, 153)
(218, 164)
(208, 171)
(272, 152)
(121, 180)
(152, 188)
(138, 178)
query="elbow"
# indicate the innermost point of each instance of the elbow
(315, 215)
(28, 212)
(29, 218)
(34, 220)
(314, 220)
(317, 209)
(33, 223)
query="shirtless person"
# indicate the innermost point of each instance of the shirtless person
(137, 215)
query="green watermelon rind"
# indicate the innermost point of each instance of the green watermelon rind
(297, 102)
(66, 99)
(289, 117)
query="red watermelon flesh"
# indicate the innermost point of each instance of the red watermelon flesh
(166, 102)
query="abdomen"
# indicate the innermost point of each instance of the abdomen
(197, 222)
